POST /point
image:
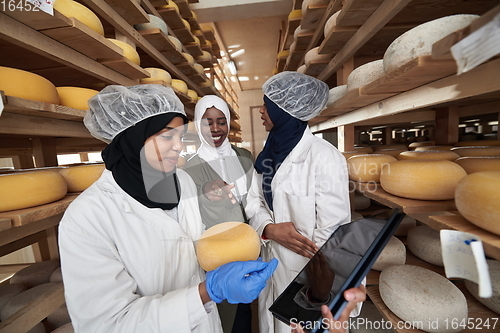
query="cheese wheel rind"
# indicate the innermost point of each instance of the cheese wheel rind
(477, 151)
(23, 84)
(75, 97)
(367, 167)
(70, 8)
(80, 177)
(473, 164)
(129, 52)
(428, 155)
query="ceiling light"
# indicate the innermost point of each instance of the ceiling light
(237, 53)
(232, 67)
(243, 78)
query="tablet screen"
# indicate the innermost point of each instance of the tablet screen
(341, 263)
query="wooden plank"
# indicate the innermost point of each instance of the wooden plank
(125, 67)
(187, 69)
(14, 234)
(312, 17)
(357, 98)
(198, 78)
(81, 38)
(413, 74)
(315, 68)
(33, 313)
(5, 223)
(194, 49)
(446, 125)
(37, 19)
(40, 109)
(356, 12)
(44, 152)
(130, 10)
(184, 9)
(295, 58)
(33, 214)
(290, 29)
(30, 125)
(172, 18)
(160, 41)
(184, 35)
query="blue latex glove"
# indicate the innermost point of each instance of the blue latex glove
(239, 281)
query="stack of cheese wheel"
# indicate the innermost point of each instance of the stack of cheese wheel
(414, 145)
(394, 253)
(331, 23)
(477, 151)
(23, 84)
(157, 74)
(422, 179)
(428, 155)
(367, 168)
(425, 243)
(478, 143)
(227, 242)
(418, 41)
(28, 189)
(477, 197)
(35, 274)
(80, 177)
(473, 164)
(180, 86)
(176, 43)
(313, 56)
(154, 23)
(70, 8)
(335, 93)
(433, 148)
(391, 152)
(365, 74)
(129, 51)
(75, 97)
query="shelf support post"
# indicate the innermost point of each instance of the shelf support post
(447, 125)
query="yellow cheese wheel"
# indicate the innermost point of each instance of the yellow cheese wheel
(28, 189)
(433, 148)
(189, 58)
(227, 242)
(197, 40)
(74, 9)
(129, 52)
(23, 84)
(366, 168)
(477, 151)
(80, 177)
(392, 146)
(186, 24)
(283, 54)
(176, 42)
(477, 198)
(421, 143)
(180, 86)
(295, 14)
(428, 155)
(391, 152)
(75, 97)
(350, 153)
(193, 95)
(478, 143)
(364, 150)
(473, 164)
(154, 23)
(157, 74)
(199, 68)
(205, 84)
(206, 56)
(171, 4)
(422, 179)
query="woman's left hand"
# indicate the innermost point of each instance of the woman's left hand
(354, 296)
(218, 190)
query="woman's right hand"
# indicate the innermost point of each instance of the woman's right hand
(218, 190)
(287, 235)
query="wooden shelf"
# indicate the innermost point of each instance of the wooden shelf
(130, 10)
(312, 16)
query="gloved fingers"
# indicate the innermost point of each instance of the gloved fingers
(266, 273)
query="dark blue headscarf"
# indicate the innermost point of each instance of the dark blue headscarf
(283, 137)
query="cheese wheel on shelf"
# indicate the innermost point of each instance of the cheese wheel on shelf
(473, 164)
(70, 8)
(129, 51)
(422, 179)
(392, 146)
(154, 23)
(477, 151)
(180, 85)
(433, 148)
(75, 97)
(478, 143)
(28, 189)
(348, 154)
(332, 22)
(477, 197)
(295, 14)
(391, 152)
(199, 68)
(176, 42)
(189, 58)
(313, 55)
(81, 177)
(302, 70)
(365, 74)
(206, 56)
(364, 150)
(227, 242)
(35, 274)
(367, 168)
(193, 95)
(171, 4)
(421, 144)
(157, 74)
(283, 54)
(428, 155)
(186, 24)
(335, 93)
(23, 84)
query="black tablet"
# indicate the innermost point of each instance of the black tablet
(340, 264)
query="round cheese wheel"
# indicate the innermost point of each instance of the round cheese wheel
(361, 202)
(302, 70)
(367, 167)
(300, 30)
(171, 4)
(193, 95)
(422, 179)
(473, 164)
(23, 84)
(205, 57)
(199, 68)
(35, 274)
(425, 243)
(364, 150)
(421, 144)
(330, 23)
(493, 302)
(58, 317)
(176, 42)
(394, 146)
(394, 253)
(197, 40)
(422, 298)
(348, 154)
(365, 74)
(477, 198)
(335, 93)
(227, 242)
(154, 23)
(433, 148)
(75, 97)
(478, 143)
(68, 328)
(80, 177)
(28, 189)
(283, 54)
(56, 276)
(186, 24)
(129, 51)
(418, 41)
(180, 85)
(157, 74)
(313, 3)
(391, 152)
(477, 151)
(356, 216)
(9, 291)
(189, 58)
(295, 14)
(23, 299)
(428, 155)
(313, 55)
(74, 9)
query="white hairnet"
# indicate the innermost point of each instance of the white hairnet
(116, 108)
(301, 95)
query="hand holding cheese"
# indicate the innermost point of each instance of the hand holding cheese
(239, 281)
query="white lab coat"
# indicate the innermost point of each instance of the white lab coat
(127, 268)
(309, 189)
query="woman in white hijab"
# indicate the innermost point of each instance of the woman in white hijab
(222, 173)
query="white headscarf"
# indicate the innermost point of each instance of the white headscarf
(222, 159)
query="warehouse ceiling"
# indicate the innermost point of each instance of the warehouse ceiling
(250, 31)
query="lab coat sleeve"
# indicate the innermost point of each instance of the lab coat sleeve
(332, 196)
(101, 296)
(256, 208)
